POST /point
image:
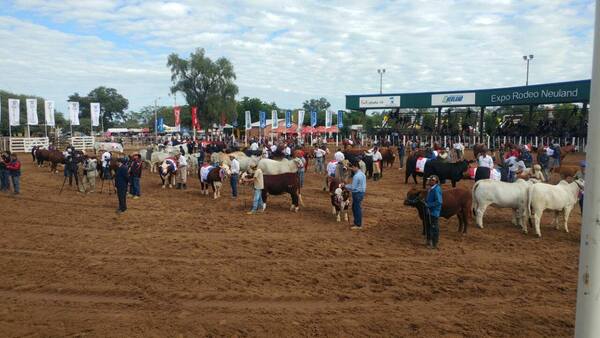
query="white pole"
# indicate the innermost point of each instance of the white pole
(28, 132)
(588, 288)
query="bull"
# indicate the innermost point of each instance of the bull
(455, 201)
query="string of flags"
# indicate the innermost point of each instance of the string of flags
(14, 112)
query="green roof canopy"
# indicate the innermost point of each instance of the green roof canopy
(550, 93)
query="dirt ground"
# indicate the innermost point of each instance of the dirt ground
(179, 264)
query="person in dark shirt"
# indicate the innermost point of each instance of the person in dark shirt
(121, 183)
(4, 161)
(135, 175)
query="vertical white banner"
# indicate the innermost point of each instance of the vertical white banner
(248, 120)
(49, 112)
(328, 119)
(14, 111)
(32, 117)
(95, 112)
(74, 113)
(300, 118)
(274, 120)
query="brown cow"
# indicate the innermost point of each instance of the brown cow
(388, 156)
(456, 201)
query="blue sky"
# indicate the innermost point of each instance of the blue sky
(291, 51)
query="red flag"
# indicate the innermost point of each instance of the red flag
(194, 117)
(176, 112)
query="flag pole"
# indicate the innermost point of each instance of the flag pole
(588, 288)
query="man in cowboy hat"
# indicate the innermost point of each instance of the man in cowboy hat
(434, 204)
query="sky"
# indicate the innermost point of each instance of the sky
(290, 51)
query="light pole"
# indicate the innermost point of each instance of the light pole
(156, 119)
(381, 72)
(527, 58)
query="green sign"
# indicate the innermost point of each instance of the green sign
(561, 92)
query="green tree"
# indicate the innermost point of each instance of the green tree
(204, 83)
(319, 105)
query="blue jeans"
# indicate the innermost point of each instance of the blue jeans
(357, 198)
(319, 164)
(4, 185)
(301, 177)
(135, 186)
(16, 184)
(233, 180)
(257, 202)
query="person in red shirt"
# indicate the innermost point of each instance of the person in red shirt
(14, 171)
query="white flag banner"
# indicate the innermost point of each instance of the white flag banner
(14, 111)
(49, 112)
(248, 120)
(95, 111)
(300, 118)
(74, 113)
(274, 119)
(328, 119)
(32, 118)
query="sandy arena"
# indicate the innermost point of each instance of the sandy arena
(179, 264)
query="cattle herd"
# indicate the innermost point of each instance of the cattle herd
(527, 196)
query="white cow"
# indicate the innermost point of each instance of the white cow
(560, 198)
(108, 146)
(272, 167)
(501, 195)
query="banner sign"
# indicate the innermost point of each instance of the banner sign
(95, 112)
(160, 125)
(49, 112)
(14, 111)
(177, 114)
(379, 102)
(313, 118)
(263, 119)
(195, 117)
(274, 119)
(300, 118)
(536, 94)
(74, 113)
(248, 120)
(288, 118)
(32, 118)
(454, 99)
(328, 117)
(340, 120)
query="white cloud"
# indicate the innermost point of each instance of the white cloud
(289, 51)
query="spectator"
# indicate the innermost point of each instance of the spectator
(135, 174)
(14, 171)
(257, 179)
(235, 173)
(90, 171)
(4, 161)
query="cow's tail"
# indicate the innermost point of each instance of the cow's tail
(528, 198)
(474, 204)
(300, 197)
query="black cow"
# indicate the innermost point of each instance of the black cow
(445, 171)
(411, 166)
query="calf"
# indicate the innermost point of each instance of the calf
(411, 166)
(452, 171)
(340, 199)
(455, 201)
(214, 177)
(560, 198)
(501, 195)
(167, 169)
